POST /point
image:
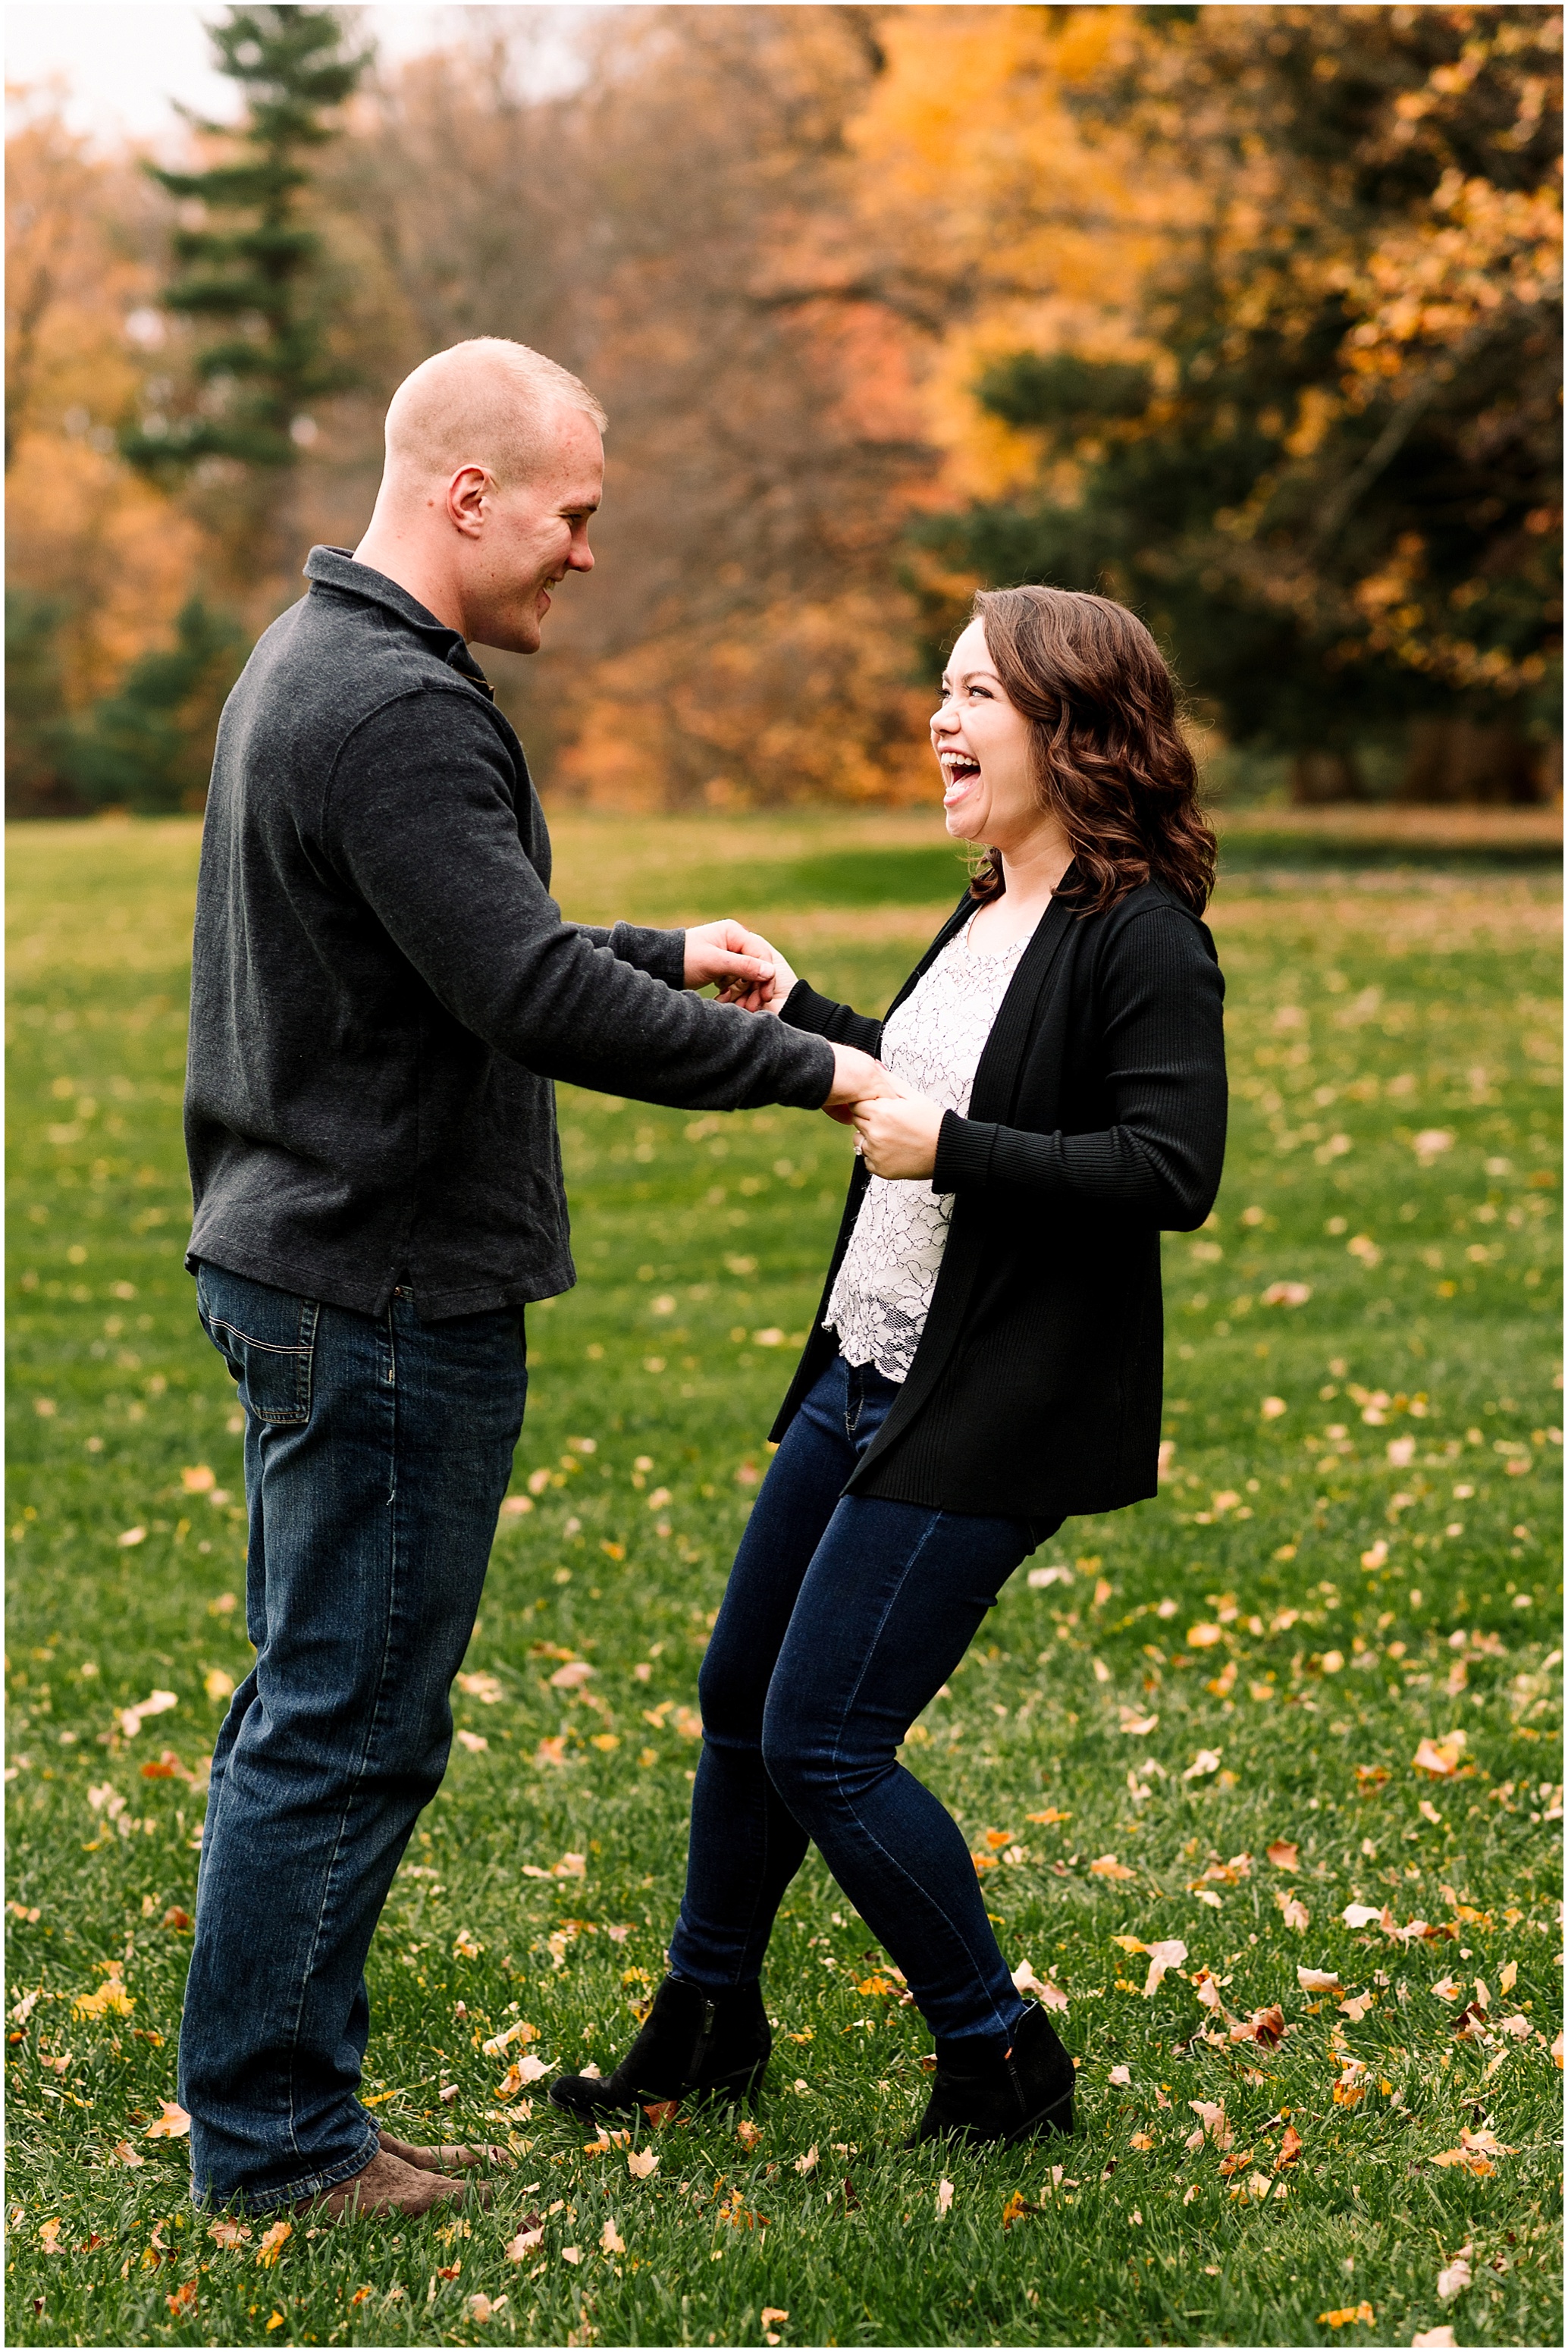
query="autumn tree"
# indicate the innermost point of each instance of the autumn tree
(131, 544)
(679, 228)
(1326, 466)
(98, 562)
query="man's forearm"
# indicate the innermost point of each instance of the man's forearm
(422, 824)
(612, 1029)
(661, 955)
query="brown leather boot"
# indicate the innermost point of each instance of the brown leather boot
(445, 2158)
(385, 2187)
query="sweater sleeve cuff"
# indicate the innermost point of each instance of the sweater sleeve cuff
(661, 955)
(964, 1150)
(802, 1008)
(813, 1067)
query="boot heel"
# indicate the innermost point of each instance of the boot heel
(703, 2046)
(1050, 2121)
(739, 2089)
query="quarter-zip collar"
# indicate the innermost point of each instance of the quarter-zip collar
(335, 567)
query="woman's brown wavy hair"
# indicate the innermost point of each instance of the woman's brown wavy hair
(1110, 761)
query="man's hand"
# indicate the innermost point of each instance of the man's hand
(898, 1134)
(741, 961)
(855, 1079)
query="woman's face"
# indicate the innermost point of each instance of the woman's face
(982, 747)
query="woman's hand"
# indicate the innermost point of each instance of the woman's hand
(898, 1134)
(749, 971)
(769, 994)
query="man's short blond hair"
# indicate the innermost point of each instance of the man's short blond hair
(488, 402)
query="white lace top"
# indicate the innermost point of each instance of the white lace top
(933, 1043)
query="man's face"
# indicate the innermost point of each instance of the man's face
(534, 533)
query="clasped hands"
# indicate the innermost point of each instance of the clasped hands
(895, 1131)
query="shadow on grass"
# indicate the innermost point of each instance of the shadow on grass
(935, 876)
(1291, 852)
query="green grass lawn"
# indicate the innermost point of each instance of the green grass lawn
(1353, 1552)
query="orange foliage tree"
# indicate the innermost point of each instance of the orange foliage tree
(98, 563)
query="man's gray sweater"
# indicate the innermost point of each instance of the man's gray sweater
(383, 990)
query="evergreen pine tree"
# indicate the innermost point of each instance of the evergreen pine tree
(35, 693)
(247, 269)
(149, 745)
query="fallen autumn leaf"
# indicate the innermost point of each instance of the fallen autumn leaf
(1168, 1954)
(1455, 2276)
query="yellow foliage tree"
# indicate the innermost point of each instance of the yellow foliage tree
(1256, 319)
(995, 177)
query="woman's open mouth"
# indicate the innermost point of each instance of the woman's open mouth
(959, 773)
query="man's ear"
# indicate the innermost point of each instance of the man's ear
(465, 494)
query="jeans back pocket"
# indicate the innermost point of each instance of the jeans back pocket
(267, 1338)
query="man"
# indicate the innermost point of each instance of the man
(382, 992)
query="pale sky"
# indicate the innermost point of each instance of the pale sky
(124, 61)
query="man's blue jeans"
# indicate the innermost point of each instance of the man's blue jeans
(378, 1451)
(842, 1620)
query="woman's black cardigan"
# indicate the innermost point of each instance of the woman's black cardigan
(1097, 1119)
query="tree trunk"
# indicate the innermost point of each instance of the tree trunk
(1319, 779)
(1455, 762)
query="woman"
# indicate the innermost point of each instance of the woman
(987, 1357)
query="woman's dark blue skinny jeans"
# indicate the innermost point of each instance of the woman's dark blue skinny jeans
(842, 1618)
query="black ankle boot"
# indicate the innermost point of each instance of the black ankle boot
(1012, 2096)
(694, 2045)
